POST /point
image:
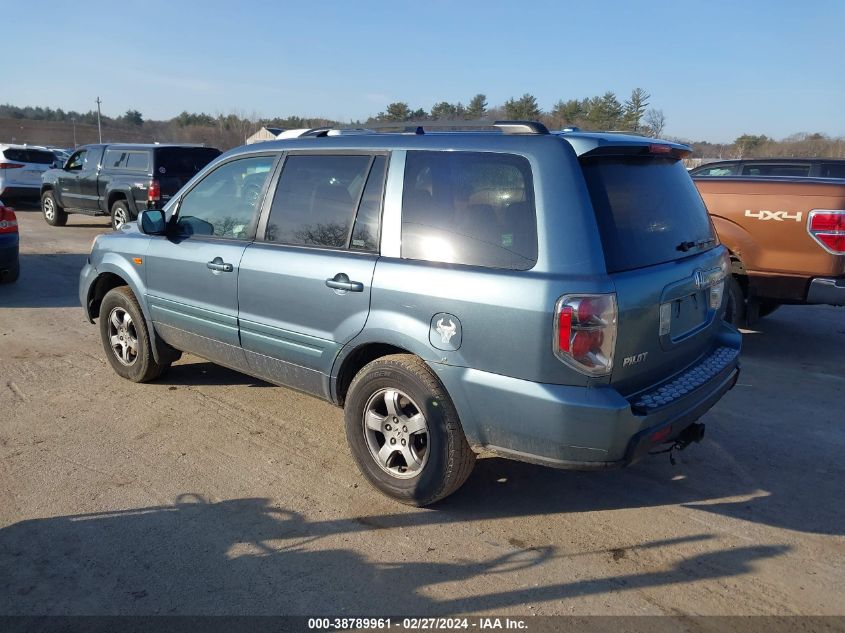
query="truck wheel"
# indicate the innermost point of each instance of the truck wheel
(120, 214)
(404, 432)
(735, 304)
(53, 214)
(125, 337)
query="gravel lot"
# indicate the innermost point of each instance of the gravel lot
(209, 492)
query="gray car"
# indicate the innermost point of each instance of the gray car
(551, 297)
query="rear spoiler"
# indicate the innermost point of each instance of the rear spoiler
(598, 145)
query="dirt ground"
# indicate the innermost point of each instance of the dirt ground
(209, 492)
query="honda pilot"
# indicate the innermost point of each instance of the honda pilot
(555, 298)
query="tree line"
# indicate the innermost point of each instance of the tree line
(601, 112)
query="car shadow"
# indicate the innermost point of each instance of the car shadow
(47, 280)
(196, 372)
(246, 556)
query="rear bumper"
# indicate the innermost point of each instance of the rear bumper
(21, 191)
(9, 250)
(585, 428)
(829, 291)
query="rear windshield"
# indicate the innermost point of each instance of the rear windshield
(183, 161)
(39, 156)
(648, 211)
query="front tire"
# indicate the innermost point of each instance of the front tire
(120, 214)
(125, 337)
(404, 432)
(54, 215)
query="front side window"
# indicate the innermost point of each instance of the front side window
(226, 202)
(76, 161)
(316, 201)
(716, 170)
(474, 208)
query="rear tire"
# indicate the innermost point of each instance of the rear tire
(54, 215)
(120, 214)
(126, 339)
(404, 432)
(735, 305)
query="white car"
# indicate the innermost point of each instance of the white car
(21, 167)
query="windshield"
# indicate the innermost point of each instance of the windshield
(648, 211)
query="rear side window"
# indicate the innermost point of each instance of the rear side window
(316, 200)
(38, 156)
(138, 161)
(183, 162)
(776, 170)
(833, 170)
(473, 208)
(648, 211)
(114, 159)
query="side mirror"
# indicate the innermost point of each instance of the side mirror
(152, 222)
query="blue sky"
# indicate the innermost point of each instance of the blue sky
(716, 68)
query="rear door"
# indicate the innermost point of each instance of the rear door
(192, 274)
(661, 252)
(304, 286)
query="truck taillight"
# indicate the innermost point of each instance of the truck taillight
(8, 220)
(11, 165)
(154, 192)
(828, 228)
(585, 332)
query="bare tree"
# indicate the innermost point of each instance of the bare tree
(654, 121)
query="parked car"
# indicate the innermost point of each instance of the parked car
(21, 167)
(796, 167)
(119, 180)
(61, 156)
(554, 298)
(786, 237)
(10, 266)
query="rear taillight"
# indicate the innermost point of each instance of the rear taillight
(154, 192)
(8, 220)
(585, 332)
(828, 229)
(11, 165)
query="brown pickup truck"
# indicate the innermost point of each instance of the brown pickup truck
(786, 237)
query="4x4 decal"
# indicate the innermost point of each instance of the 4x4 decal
(779, 216)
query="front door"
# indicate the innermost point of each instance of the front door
(304, 286)
(68, 181)
(192, 274)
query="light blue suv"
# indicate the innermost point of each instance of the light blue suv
(551, 297)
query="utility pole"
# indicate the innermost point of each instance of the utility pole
(73, 120)
(99, 127)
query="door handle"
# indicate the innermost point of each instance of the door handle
(218, 265)
(341, 282)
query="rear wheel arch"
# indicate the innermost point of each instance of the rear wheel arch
(356, 360)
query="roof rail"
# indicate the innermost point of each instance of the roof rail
(420, 127)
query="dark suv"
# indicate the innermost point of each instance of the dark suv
(551, 297)
(119, 180)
